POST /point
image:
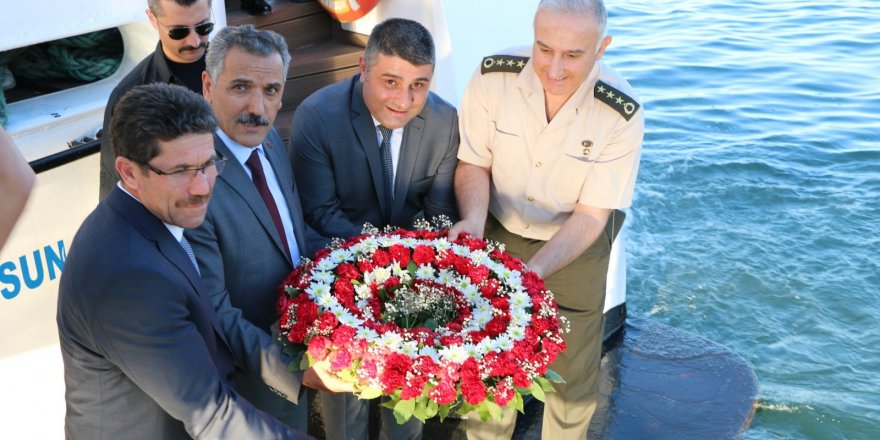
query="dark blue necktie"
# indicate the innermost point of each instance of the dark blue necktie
(387, 168)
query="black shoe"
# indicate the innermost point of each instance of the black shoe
(256, 7)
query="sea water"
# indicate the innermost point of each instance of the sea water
(757, 208)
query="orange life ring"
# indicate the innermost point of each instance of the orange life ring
(348, 10)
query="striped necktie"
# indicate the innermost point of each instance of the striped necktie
(387, 169)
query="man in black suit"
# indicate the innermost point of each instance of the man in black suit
(144, 353)
(378, 148)
(183, 27)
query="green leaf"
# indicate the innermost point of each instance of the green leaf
(431, 324)
(369, 393)
(518, 402)
(537, 391)
(306, 362)
(389, 403)
(494, 410)
(412, 267)
(421, 407)
(553, 376)
(431, 409)
(483, 411)
(545, 384)
(403, 411)
(444, 411)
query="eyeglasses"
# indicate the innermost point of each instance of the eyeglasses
(180, 32)
(183, 176)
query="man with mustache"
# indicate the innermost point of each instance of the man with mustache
(179, 58)
(144, 353)
(254, 233)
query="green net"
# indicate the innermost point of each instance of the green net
(86, 58)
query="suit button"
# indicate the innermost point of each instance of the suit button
(531, 199)
(526, 226)
(538, 165)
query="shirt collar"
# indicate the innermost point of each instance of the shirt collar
(175, 230)
(241, 152)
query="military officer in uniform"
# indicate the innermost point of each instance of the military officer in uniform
(550, 148)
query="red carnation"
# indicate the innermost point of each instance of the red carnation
(400, 254)
(318, 348)
(343, 335)
(423, 255)
(327, 322)
(478, 274)
(339, 360)
(490, 288)
(443, 393)
(344, 291)
(381, 258)
(502, 393)
(306, 312)
(497, 325)
(298, 332)
(365, 266)
(347, 270)
(394, 374)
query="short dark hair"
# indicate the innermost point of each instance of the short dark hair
(403, 38)
(156, 7)
(157, 112)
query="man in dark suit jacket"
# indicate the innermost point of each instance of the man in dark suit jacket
(335, 140)
(378, 148)
(243, 253)
(144, 354)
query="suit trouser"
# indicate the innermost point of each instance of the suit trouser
(579, 289)
(348, 418)
(255, 391)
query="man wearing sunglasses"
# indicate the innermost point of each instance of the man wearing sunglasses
(179, 58)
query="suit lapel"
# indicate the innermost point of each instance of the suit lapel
(409, 154)
(153, 230)
(235, 177)
(277, 156)
(362, 122)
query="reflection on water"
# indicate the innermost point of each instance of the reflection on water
(754, 222)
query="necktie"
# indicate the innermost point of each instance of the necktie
(259, 177)
(387, 168)
(184, 243)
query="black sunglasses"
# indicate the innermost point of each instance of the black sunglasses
(180, 32)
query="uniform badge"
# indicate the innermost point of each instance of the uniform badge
(616, 99)
(503, 63)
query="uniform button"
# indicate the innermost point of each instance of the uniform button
(531, 199)
(538, 165)
(526, 226)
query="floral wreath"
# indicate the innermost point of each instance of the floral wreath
(436, 326)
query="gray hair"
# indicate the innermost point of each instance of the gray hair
(156, 6)
(254, 41)
(596, 8)
(402, 38)
(157, 112)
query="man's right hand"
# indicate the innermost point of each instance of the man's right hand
(466, 226)
(320, 377)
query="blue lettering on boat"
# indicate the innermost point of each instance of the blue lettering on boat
(31, 271)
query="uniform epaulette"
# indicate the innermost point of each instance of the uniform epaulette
(618, 100)
(503, 63)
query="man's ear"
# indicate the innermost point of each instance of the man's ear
(602, 46)
(126, 168)
(153, 21)
(207, 86)
(362, 68)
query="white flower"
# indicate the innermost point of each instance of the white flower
(479, 257)
(471, 350)
(362, 292)
(318, 291)
(347, 318)
(367, 333)
(390, 340)
(516, 333)
(455, 353)
(430, 352)
(503, 343)
(410, 348)
(340, 255)
(324, 277)
(425, 272)
(325, 264)
(445, 277)
(440, 244)
(482, 317)
(378, 275)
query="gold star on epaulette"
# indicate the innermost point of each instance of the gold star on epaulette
(503, 63)
(616, 99)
